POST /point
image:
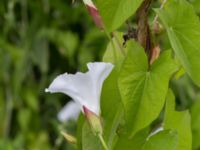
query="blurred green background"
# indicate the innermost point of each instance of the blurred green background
(40, 39)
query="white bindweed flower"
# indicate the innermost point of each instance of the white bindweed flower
(83, 88)
(70, 111)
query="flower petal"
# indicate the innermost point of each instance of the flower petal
(84, 88)
(77, 86)
(70, 111)
(89, 3)
(99, 72)
(59, 85)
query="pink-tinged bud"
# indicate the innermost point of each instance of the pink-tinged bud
(155, 53)
(94, 121)
(94, 13)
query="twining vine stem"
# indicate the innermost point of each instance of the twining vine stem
(143, 30)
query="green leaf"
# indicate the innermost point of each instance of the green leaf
(195, 116)
(179, 121)
(143, 89)
(183, 28)
(126, 143)
(112, 116)
(89, 140)
(196, 5)
(80, 124)
(115, 12)
(164, 140)
(115, 52)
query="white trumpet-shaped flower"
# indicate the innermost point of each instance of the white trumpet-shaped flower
(70, 111)
(83, 88)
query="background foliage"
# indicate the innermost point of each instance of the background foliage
(40, 39)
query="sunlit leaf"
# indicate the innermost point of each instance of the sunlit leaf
(90, 141)
(179, 121)
(115, 51)
(183, 28)
(196, 5)
(110, 93)
(112, 115)
(143, 88)
(137, 142)
(195, 121)
(116, 12)
(164, 140)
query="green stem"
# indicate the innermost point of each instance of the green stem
(103, 142)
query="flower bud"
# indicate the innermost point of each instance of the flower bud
(93, 11)
(69, 138)
(94, 121)
(155, 53)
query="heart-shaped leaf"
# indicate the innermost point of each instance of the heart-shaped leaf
(143, 88)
